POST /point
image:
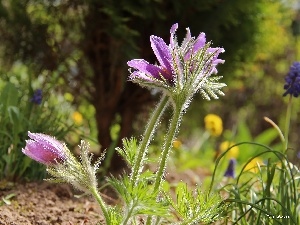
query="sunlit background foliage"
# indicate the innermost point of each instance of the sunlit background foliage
(76, 52)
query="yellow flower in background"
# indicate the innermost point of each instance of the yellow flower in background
(77, 118)
(177, 144)
(232, 153)
(252, 165)
(213, 124)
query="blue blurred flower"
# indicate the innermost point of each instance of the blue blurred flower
(37, 97)
(292, 80)
(230, 169)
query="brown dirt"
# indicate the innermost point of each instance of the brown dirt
(45, 203)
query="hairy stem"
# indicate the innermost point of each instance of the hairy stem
(102, 204)
(128, 215)
(167, 146)
(287, 122)
(148, 134)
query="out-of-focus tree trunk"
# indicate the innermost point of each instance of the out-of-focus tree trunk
(110, 96)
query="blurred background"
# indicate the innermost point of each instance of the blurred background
(63, 72)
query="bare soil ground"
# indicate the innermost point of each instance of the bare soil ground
(44, 203)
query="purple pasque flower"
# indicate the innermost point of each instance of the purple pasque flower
(230, 171)
(182, 68)
(292, 79)
(44, 149)
(37, 97)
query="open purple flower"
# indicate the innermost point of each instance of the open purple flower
(182, 69)
(44, 149)
(230, 169)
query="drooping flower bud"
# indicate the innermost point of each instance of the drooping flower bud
(44, 149)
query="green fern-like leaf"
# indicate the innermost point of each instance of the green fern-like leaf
(139, 198)
(129, 150)
(193, 207)
(211, 88)
(114, 214)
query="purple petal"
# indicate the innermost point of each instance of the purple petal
(216, 51)
(174, 28)
(217, 61)
(47, 140)
(187, 38)
(145, 67)
(140, 75)
(162, 53)
(172, 38)
(44, 149)
(39, 153)
(200, 42)
(188, 35)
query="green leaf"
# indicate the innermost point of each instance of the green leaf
(115, 215)
(8, 97)
(266, 137)
(15, 118)
(7, 198)
(26, 161)
(129, 150)
(139, 198)
(244, 133)
(7, 158)
(193, 207)
(211, 88)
